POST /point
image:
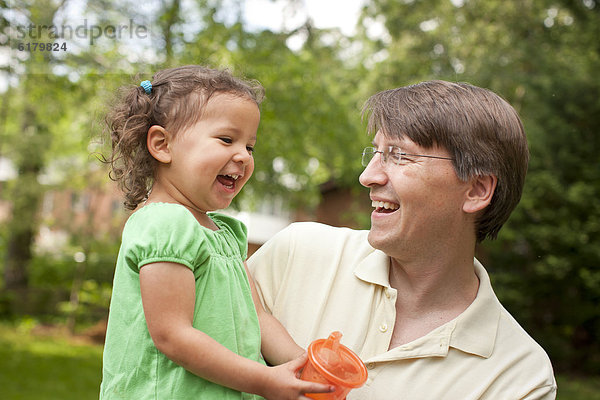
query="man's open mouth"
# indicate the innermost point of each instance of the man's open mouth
(384, 206)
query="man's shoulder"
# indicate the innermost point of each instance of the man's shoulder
(526, 362)
(309, 242)
(513, 339)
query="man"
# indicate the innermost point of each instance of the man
(446, 169)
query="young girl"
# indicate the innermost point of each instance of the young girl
(185, 321)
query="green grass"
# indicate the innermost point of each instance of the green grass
(47, 366)
(52, 366)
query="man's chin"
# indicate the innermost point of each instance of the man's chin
(376, 239)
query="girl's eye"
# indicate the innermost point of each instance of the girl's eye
(250, 149)
(226, 140)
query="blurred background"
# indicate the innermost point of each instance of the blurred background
(61, 63)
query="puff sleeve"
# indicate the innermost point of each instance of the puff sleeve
(164, 234)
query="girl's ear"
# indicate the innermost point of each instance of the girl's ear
(157, 142)
(480, 193)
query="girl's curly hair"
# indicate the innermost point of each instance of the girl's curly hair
(176, 102)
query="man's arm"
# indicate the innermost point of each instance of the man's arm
(277, 346)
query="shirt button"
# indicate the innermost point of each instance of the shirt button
(383, 327)
(370, 365)
(388, 294)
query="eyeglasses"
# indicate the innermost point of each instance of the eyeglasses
(393, 154)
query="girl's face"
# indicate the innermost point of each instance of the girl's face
(212, 160)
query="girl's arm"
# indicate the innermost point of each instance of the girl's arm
(277, 345)
(168, 296)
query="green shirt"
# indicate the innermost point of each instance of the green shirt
(160, 232)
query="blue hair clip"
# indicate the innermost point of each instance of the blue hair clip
(147, 85)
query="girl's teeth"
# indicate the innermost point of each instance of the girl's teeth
(384, 204)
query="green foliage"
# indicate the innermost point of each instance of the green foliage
(93, 302)
(559, 219)
(52, 275)
(558, 225)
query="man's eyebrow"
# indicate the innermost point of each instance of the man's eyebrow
(387, 144)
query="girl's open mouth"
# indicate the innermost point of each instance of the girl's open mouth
(228, 180)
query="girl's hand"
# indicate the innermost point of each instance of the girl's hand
(284, 383)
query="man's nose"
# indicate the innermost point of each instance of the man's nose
(374, 173)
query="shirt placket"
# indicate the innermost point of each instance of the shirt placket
(381, 324)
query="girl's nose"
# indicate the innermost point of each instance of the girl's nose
(242, 156)
(374, 173)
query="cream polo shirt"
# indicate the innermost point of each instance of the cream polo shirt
(317, 279)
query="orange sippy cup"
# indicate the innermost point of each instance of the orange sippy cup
(333, 363)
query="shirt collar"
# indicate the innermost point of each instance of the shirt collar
(476, 328)
(473, 331)
(374, 268)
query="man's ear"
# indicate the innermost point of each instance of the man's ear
(480, 193)
(157, 142)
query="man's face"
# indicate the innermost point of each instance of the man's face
(417, 202)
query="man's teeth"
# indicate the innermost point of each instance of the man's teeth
(385, 204)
